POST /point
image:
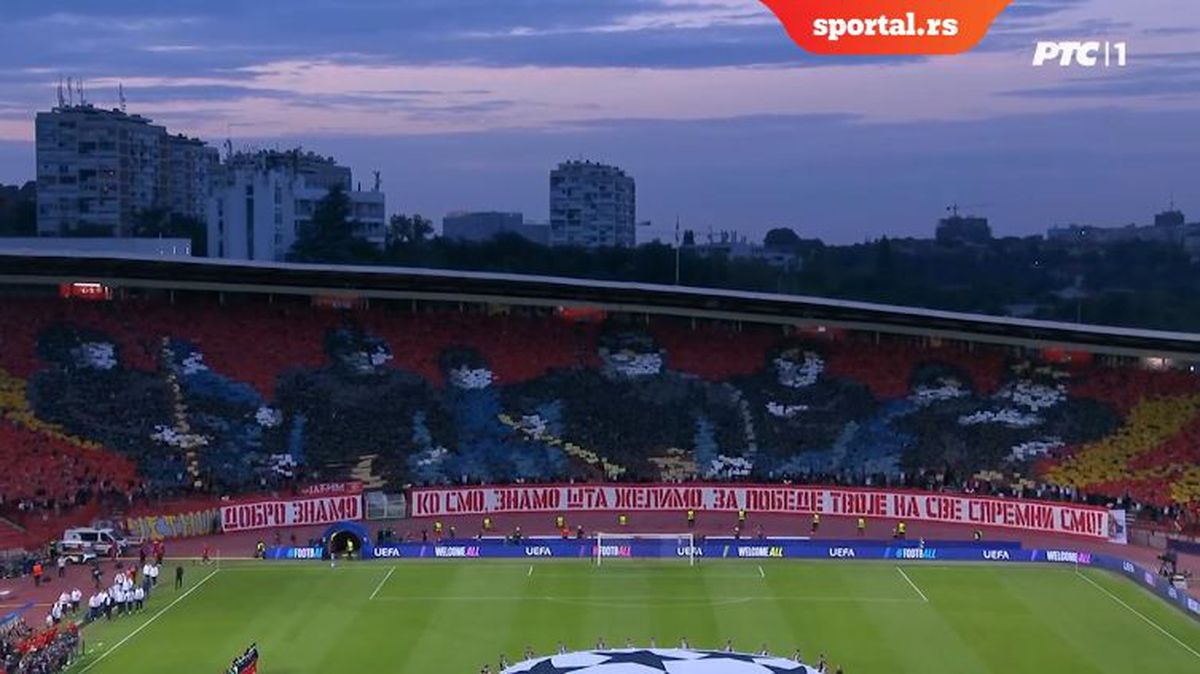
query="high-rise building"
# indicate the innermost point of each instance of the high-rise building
(592, 205)
(486, 225)
(190, 169)
(97, 169)
(1170, 227)
(263, 199)
(963, 229)
(18, 209)
(1172, 217)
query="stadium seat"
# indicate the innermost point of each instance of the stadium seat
(245, 394)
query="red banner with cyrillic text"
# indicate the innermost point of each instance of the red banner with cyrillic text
(1048, 517)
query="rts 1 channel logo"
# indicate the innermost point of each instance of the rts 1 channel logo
(1093, 54)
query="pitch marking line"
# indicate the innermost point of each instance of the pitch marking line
(913, 585)
(600, 603)
(1138, 613)
(761, 573)
(641, 599)
(146, 624)
(382, 583)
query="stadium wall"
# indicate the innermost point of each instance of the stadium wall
(1026, 515)
(176, 525)
(274, 514)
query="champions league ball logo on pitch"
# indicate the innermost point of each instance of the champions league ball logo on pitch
(650, 660)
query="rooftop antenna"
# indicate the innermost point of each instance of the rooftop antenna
(61, 100)
(121, 94)
(79, 83)
(378, 181)
(70, 92)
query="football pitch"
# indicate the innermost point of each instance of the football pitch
(452, 616)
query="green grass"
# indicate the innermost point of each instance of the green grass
(449, 616)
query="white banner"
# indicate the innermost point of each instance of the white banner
(1117, 527)
(271, 514)
(1040, 516)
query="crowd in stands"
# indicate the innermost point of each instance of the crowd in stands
(44, 470)
(26, 651)
(12, 633)
(54, 645)
(133, 399)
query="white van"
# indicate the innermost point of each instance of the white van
(83, 544)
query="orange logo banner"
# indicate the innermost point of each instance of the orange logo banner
(887, 27)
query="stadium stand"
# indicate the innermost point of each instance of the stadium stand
(121, 399)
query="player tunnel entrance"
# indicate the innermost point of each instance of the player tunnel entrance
(345, 541)
(346, 536)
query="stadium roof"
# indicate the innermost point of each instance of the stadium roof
(41, 267)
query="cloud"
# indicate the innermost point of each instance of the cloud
(543, 62)
(171, 48)
(193, 36)
(689, 93)
(110, 22)
(681, 15)
(1028, 11)
(1165, 83)
(1172, 30)
(365, 96)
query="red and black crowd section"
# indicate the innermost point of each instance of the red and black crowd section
(127, 399)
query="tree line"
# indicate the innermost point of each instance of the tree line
(1135, 284)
